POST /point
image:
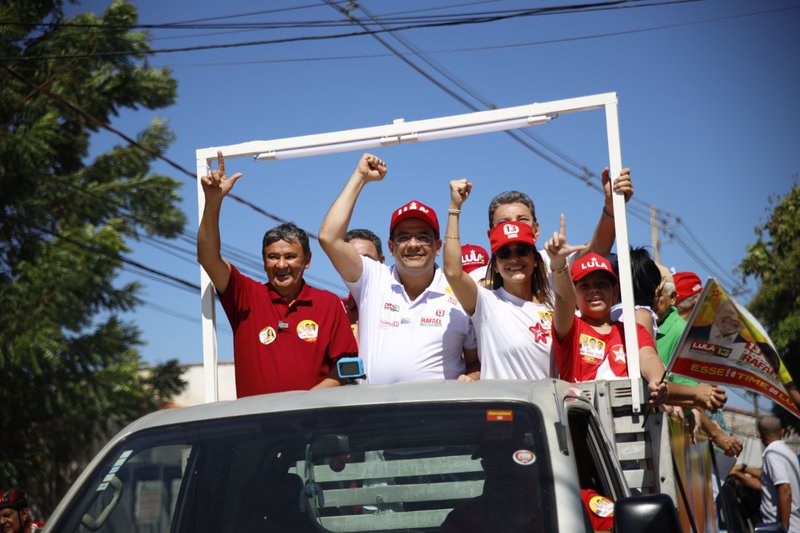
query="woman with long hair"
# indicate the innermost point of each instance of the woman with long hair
(512, 320)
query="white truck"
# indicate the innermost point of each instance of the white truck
(405, 457)
(513, 455)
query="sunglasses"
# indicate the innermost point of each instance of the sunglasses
(521, 250)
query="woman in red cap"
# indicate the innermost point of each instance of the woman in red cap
(512, 320)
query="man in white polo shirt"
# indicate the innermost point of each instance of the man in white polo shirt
(411, 327)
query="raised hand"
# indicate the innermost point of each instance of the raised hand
(557, 246)
(217, 184)
(370, 168)
(622, 184)
(459, 192)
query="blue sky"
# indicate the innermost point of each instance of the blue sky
(708, 107)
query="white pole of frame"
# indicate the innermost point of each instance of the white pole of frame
(208, 319)
(623, 255)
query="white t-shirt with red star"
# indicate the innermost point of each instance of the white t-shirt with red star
(514, 336)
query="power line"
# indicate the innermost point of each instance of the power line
(613, 4)
(584, 176)
(186, 318)
(392, 18)
(249, 30)
(155, 153)
(130, 263)
(246, 261)
(475, 48)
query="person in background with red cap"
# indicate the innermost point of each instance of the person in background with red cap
(512, 319)
(410, 328)
(592, 285)
(15, 515)
(473, 257)
(687, 288)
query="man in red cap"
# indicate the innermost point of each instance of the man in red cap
(410, 328)
(688, 288)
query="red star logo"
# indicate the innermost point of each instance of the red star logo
(540, 334)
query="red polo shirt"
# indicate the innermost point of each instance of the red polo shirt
(277, 346)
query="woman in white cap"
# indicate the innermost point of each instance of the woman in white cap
(512, 320)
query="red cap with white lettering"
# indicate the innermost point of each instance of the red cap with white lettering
(589, 263)
(415, 209)
(473, 257)
(508, 232)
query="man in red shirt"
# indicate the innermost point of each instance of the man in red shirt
(287, 335)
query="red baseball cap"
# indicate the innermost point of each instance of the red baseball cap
(687, 284)
(415, 209)
(508, 232)
(589, 263)
(472, 257)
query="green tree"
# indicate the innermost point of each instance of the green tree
(69, 366)
(773, 261)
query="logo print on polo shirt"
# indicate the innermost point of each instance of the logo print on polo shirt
(540, 334)
(389, 306)
(430, 321)
(440, 312)
(308, 330)
(266, 335)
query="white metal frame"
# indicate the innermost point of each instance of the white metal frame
(420, 131)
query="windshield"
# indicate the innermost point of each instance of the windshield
(429, 467)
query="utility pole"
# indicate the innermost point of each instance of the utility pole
(755, 403)
(654, 234)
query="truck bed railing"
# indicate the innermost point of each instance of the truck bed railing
(643, 452)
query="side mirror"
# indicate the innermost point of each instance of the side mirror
(652, 513)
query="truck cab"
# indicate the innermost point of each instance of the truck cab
(423, 457)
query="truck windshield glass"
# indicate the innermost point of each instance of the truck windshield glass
(451, 467)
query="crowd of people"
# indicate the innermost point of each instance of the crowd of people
(507, 313)
(512, 312)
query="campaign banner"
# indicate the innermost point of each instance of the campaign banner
(724, 344)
